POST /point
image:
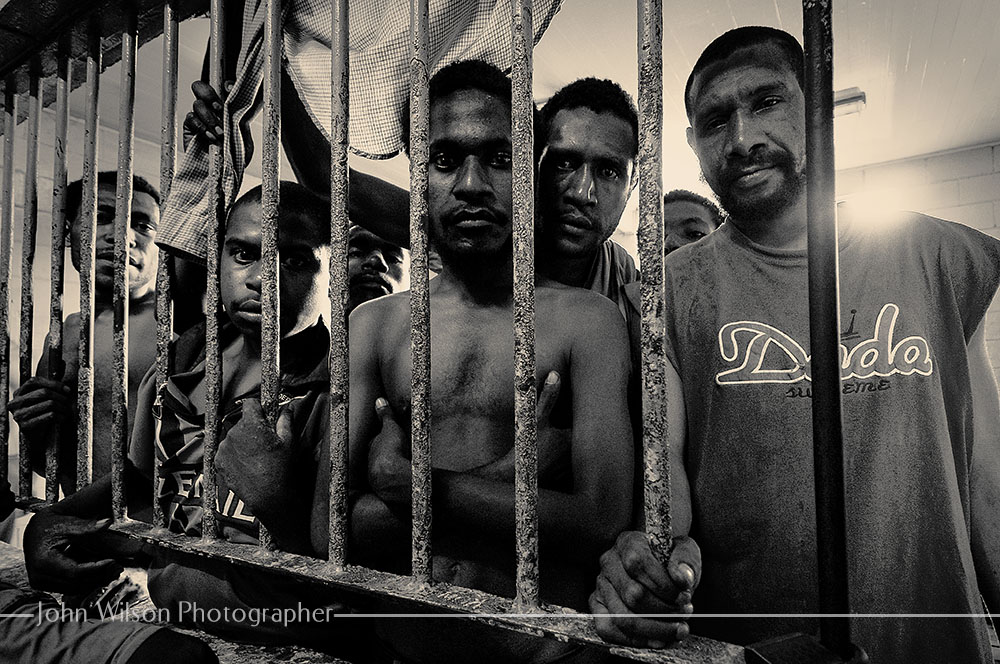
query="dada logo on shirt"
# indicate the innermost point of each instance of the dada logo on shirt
(764, 354)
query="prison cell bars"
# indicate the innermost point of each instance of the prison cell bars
(339, 229)
(164, 268)
(29, 233)
(123, 221)
(420, 304)
(56, 366)
(213, 355)
(88, 234)
(652, 232)
(656, 476)
(824, 326)
(6, 238)
(525, 389)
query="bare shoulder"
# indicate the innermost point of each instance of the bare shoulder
(577, 306)
(387, 310)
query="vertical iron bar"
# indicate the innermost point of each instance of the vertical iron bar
(420, 304)
(270, 332)
(57, 367)
(213, 354)
(88, 233)
(824, 326)
(339, 229)
(525, 439)
(6, 238)
(29, 233)
(168, 151)
(654, 396)
(123, 222)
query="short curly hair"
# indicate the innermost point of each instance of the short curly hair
(598, 95)
(677, 195)
(74, 192)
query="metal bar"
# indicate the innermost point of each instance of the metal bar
(6, 238)
(29, 233)
(57, 367)
(123, 222)
(525, 425)
(270, 329)
(357, 584)
(420, 303)
(824, 326)
(168, 160)
(339, 227)
(213, 354)
(88, 233)
(654, 396)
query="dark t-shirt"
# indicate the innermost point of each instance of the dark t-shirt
(912, 294)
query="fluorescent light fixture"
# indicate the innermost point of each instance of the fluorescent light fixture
(849, 100)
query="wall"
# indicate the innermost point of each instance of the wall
(960, 185)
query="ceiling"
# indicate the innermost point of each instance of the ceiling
(930, 69)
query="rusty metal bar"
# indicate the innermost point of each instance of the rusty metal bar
(824, 326)
(29, 233)
(213, 354)
(123, 223)
(57, 367)
(6, 238)
(525, 425)
(654, 396)
(88, 232)
(270, 329)
(420, 303)
(339, 228)
(168, 160)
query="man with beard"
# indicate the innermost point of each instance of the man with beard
(579, 336)
(920, 405)
(375, 267)
(42, 402)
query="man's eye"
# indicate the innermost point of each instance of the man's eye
(241, 256)
(295, 262)
(501, 160)
(609, 173)
(564, 165)
(694, 236)
(442, 161)
(393, 258)
(768, 102)
(145, 227)
(354, 252)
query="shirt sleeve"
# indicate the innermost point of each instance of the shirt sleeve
(971, 261)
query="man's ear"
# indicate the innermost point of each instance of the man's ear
(689, 133)
(635, 174)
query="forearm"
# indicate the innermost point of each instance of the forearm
(580, 523)
(381, 207)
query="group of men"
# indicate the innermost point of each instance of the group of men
(921, 409)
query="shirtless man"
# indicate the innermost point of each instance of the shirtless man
(41, 402)
(375, 267)
(579, 336)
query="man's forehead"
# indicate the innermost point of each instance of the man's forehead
(768, 61)
(606, 132)
(469, 112)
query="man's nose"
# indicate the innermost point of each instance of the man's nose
(376, 261)
(742, 134)
(671, 242)
(252, 280)
(472, 182)
(582, 190)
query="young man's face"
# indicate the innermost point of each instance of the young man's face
(748, 131)
(304, 277)
(685, 222)
(374, 267)
(142, 252)
(585, 177)
(469, 176)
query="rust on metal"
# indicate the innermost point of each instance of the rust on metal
(525, 425)
(123, 223)
(88, 232)
(654, 398)
(360, 583)
(168, 160)
(6, 238)
(57, 367)
(29, 232)
(213, 354)
(339, 228)
(270, 332)
(420, 303)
